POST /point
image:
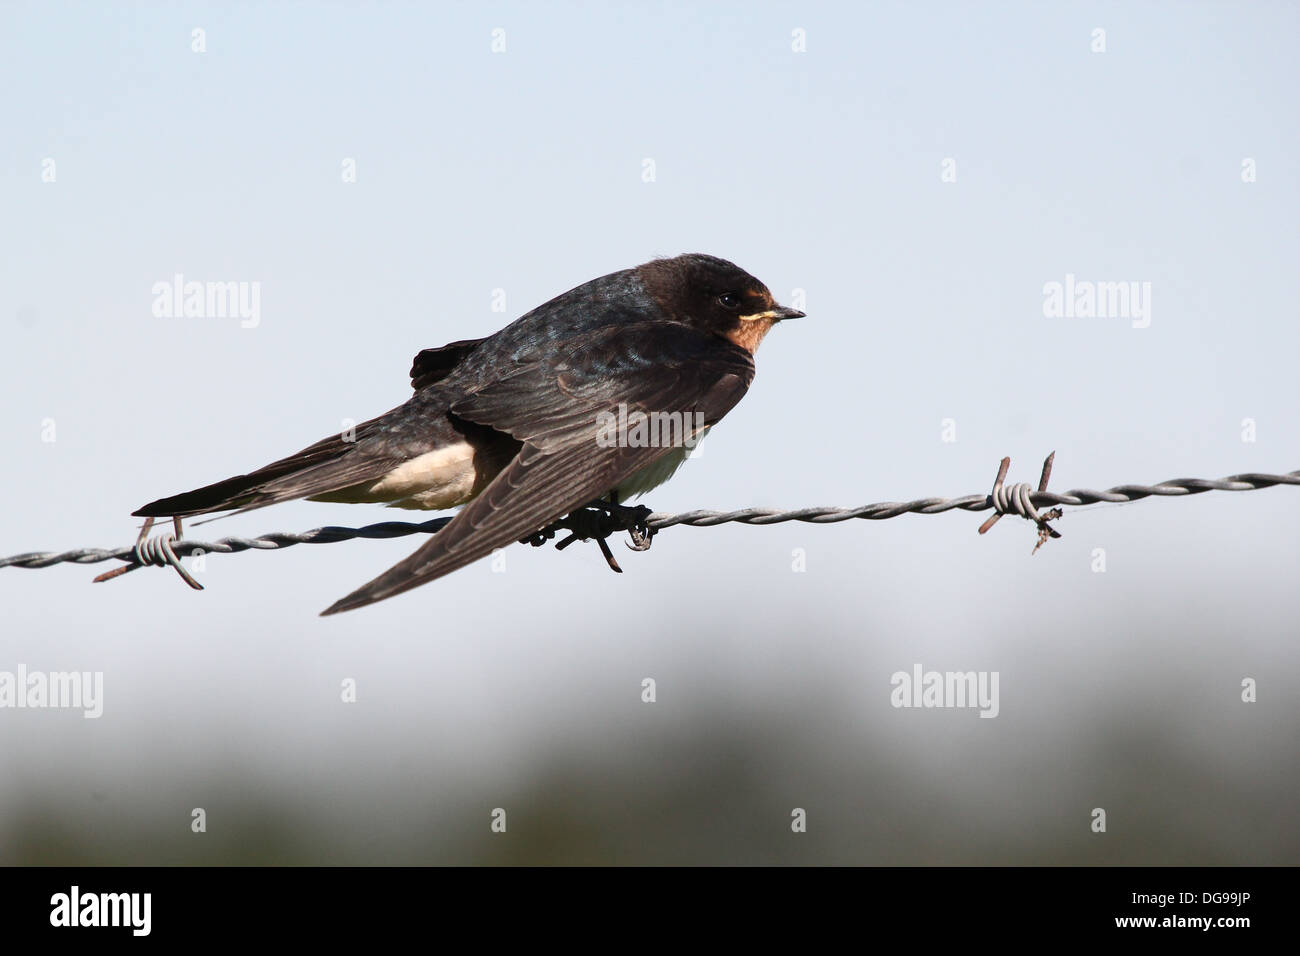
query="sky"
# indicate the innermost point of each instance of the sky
(380, 178)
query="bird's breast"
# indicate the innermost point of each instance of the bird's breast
(657, 472)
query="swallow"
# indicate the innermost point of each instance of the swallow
(509, 427)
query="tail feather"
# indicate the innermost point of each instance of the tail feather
(329, 465)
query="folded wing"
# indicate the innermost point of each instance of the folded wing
(555, 409)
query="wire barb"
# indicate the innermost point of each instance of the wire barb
(642, 524)
(1018, 499)
(158, 552)
(154, 551)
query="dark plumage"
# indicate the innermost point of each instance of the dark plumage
(507, 425)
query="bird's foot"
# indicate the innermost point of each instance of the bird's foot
(596, 522)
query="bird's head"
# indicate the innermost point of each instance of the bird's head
(716, 296)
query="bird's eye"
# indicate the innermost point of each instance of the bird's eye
(729, 300)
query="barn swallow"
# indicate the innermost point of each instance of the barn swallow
(507, 425)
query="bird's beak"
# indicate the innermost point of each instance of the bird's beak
(774, 314)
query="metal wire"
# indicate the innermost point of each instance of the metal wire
(1016, 499)
(933, 506)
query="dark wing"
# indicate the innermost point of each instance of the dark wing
(433, 365)
(554, 409)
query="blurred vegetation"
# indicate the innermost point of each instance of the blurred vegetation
(718, 796)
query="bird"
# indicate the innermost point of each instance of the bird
(515, 428)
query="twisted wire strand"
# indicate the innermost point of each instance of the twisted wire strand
(1175, 487)
(1015, 499)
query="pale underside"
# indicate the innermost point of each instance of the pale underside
(450, 476)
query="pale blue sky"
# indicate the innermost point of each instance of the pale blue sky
(522, 171)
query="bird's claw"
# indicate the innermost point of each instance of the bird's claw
(596, 522)
(641, 535)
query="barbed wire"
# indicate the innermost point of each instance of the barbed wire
(599, 521)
